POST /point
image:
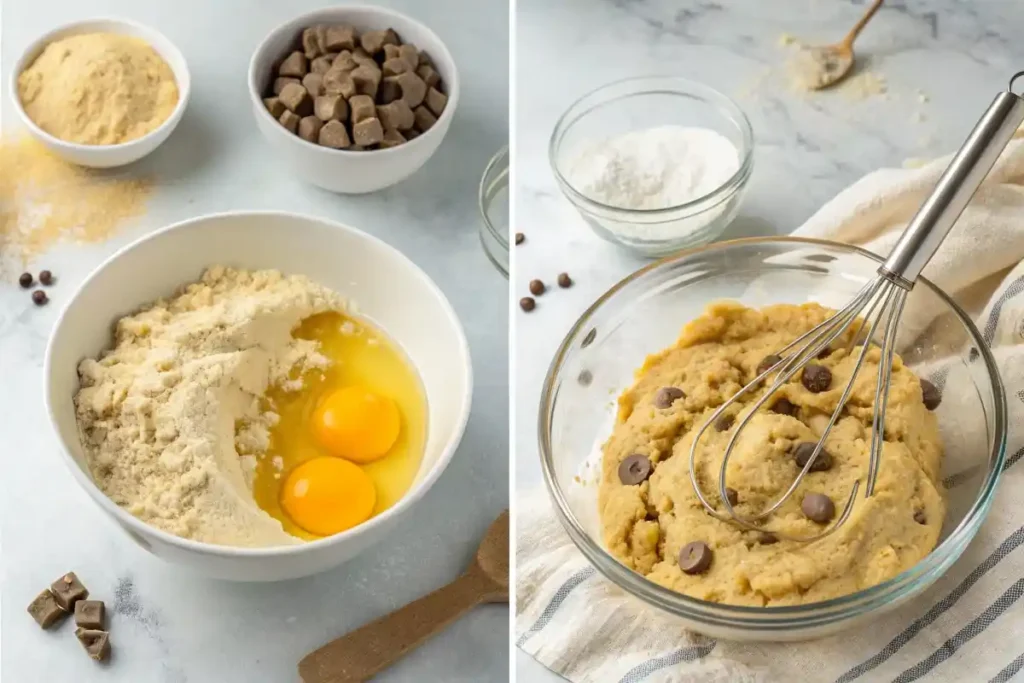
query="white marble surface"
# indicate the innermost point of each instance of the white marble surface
(942, 60)
(172, 627)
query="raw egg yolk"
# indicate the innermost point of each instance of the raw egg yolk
(328, 495)
(357, 424)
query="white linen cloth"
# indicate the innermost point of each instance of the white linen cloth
(969, 626)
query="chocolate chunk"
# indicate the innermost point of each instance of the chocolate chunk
(339, 83)
(414, 90)
(330, 108)
(274, 106)
(920, 517)
(695, 557)
(396, 116)
(392, 138)
(89, 614)
(395, 66)
(311, 44)
(290, 121)
(26, 280)
(666, 396)
(803, 452)
(816, 378)
(818, 508)
(344, 62)
(294, 65)
(367, 79)
(368, 132)
(635, 469)
(732, 495)
(296, 99)
(45, 610)
(825, 353)
(520, 238)
(724, 422)
(46, 277)
(309, 128)
(389, 91)
(374, 41)
(334, 135)
(362, 58)
(395, 52)
(338, 38)
(314, 84)
(68, 590)
(767, 538)
(424, 119)
(429, 76)
(785, 407)
(39, 297)
(95, 642)
(362, 108)
(930, 394)
(767, 362)
(564, 281)
(436, 101)
(282, 83)
(527, 303)
(320, 65)
(409, 53)
(536, 287)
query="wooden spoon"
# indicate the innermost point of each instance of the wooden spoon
(826, 66)
(370, 649)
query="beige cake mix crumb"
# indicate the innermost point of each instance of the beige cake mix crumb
(170, 417)
(98, 89)
(45, 200)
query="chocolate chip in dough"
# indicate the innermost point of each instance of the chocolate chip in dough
(803, 452)
(635, 469)
(26, 280)
(89, 613)
(920, 517)
(732, 495)
(818, 507)
(930, 394)
(46, 277)
(95, 642)
(767, 362)
(527, 303)
(520, 238)
(784, 407)
(666, 396)
(564, 281)
(68, 590)
(816, 378)
(724, 422)
(825, 353)
(767, 538)
(695, 557)
(39, 297)
(45, 610)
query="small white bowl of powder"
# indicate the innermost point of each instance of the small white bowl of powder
(655, 164)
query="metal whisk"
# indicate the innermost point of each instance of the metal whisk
(874, 313)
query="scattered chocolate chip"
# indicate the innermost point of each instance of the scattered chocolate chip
(724, 422)
(585, 378)
(635, 469)
(95, 642)
(520, 238)
(767, 538)
(920, 517)
(803, 451)
(89, 614)
(564, 280)
(818, 508)
(68, 590)
(930, 394)
(39, 297)
(766, 364)
(784, 407)
(666, 396)
(732, 495)
(695, 558)
(536, 287)
(816, 378)
(45, 610)
(527, 303)
(46, 277)
(589, 339)
(26, 280)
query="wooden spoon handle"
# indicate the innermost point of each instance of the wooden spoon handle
(859, 26)
(368, 650)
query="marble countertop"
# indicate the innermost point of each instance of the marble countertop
(169, 626)
(940, 63)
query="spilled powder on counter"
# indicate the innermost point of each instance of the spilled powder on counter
(45, 200)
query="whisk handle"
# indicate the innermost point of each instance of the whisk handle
(954, 190)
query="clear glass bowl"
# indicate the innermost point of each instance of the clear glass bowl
(645, 312)
(493, 203)
(639, 103)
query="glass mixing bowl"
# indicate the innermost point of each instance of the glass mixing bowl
(645, 312)
(648, 102)
(492, 200)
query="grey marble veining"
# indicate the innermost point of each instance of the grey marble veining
(942, 61)
(169, 626)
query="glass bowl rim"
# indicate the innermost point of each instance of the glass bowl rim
(682, 87)
(499, 157)
(903, 584)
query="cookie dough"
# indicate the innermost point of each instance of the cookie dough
(647, 525)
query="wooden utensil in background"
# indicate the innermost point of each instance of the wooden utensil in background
(835, 61)
(370, 649)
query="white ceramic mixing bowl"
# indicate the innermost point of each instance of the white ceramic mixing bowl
(385, 285)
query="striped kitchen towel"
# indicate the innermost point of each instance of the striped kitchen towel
(969, 626)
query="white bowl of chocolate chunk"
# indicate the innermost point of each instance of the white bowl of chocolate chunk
(163, 443)
(355, 98)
